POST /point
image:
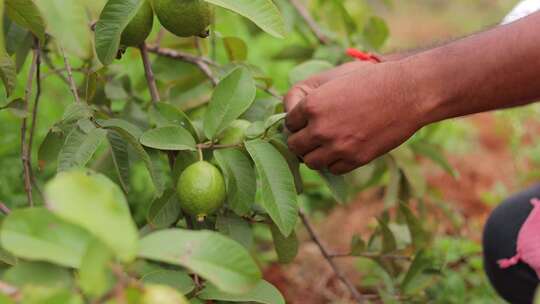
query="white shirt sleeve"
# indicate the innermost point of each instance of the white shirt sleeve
(523, 9)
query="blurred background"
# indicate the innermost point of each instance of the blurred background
(492, 155)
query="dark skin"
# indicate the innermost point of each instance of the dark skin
(344, 118)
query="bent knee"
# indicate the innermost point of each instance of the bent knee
(516, 284)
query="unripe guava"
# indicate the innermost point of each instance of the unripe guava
(184, 18)
(139, 27)
(201, 189)
(235, 133)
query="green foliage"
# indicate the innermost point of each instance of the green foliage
(277, 185)
(110, 221)
(218, 259)
(263, 13)
(232, 97)
(114, 18)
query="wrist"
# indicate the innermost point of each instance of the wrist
(428, 88)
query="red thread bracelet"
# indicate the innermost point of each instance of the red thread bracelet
(363, 56)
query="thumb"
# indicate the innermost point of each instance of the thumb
(296, 95)
(300, 90)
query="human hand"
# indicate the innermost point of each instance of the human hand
(301, 89)
(351, 120)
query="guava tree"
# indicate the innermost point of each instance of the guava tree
(170, 157)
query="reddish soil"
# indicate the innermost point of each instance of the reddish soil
(310, 280)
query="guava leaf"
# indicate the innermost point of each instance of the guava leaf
(235, 228)
(231, 98)
(263, 13)
(434, 153)
(17, 107)
(179, 280)
(286, 247)
(131, 134)
(120, 157)
(173, 138)
(38, 274)
(279, 142)
(79, 147)
(277, 185)
(389, 243)
(164, 211)
(26, 14)
(95, 276)
(421, 262)
(7, 65)
(69, 23)
(240, 179)
(308, 69)
(420, 237)
(376, 32)
(38, 234)
(114, 18)
(165, 114)
(203, 253)
(264, 293)
(337, 185)
(50, 147)
(97, 204)
(236, 48)
(406, 162)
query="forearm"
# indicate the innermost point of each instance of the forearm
(496, 69)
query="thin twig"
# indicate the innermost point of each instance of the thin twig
(70, 79)
(159, 36)
(58, 72)
(38, 95)
(211, 145)
(35, 111)
(201, 62)
(174, 54)
(370, 256)
(313, 26)
(25, 148)
(354, 292)
(149, 73)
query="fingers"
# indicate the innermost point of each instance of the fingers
(296, 95)
(341, 167)
(304, 88)
(301, 143)
(319, 158)
(297, 118)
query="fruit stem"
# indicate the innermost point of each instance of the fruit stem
(199, 150)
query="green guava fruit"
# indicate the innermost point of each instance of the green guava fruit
(201, 189)
(139, 27)
(235, 133)
(160, 294)
(184, 18)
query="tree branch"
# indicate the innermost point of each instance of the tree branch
(149, 73)
(201, 62)
(25, 147)
(313, 26)
(35, 110)
(354, 292)
(56, 71)
(70, 79)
